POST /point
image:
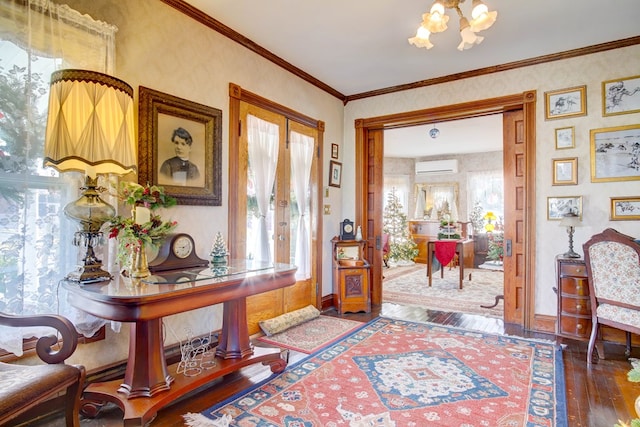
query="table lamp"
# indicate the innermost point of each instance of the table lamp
(90, 129)
(490, 216)
(570, 221)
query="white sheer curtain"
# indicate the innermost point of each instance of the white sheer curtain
(36, 38)
(487, 189)
(263, 158)
(301, 160)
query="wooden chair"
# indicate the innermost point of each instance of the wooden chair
(23, 387)
(613, 270)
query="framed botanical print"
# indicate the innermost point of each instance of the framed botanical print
(335, 173)
(625, 208)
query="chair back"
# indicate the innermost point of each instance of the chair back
(613, 268)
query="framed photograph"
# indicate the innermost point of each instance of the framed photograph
(614, 154)
(180, 147)
(565, 171)
(334, 151)
(557, 207)
(563, 103)
(335, 173)
(625, 208)
(565, 138)
(621, 96)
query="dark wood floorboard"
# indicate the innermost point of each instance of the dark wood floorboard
(595, 398)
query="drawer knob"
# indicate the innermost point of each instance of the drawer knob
(578, 270)
(578, 307)
(579, 326)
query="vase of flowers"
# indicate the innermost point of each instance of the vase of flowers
(143, 228)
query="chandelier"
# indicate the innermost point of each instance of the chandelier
(436, 21)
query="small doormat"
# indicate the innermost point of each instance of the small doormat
(313, 334)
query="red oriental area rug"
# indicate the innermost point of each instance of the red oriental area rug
(399, 373)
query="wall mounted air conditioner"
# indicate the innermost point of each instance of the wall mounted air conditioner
(437, 167)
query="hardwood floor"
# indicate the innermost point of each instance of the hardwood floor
(595, 398)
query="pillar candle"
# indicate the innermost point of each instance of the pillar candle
(143, 215)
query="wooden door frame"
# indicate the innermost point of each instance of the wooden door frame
(525, 101)
(237, 223)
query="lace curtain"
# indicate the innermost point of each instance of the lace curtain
(263, 159)
(38, 37)
(301, 160)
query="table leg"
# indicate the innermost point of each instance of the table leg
(234, 340)
(146, 373)
(461, 261)
(429, 261)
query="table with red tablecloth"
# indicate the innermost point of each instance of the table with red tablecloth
(444, 251)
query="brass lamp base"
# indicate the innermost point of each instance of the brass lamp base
(91, 270)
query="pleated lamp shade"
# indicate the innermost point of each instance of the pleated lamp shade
(90, 127)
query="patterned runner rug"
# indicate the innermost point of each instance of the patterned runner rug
(394, 373)
(410, 286)
(313, 334)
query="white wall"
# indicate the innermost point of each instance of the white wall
(589, 70)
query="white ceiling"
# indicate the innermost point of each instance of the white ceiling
(357, 46)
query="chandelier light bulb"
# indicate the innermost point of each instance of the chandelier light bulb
(422, 38)
(481, 17)
(469, 38)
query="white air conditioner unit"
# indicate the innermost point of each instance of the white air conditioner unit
(437, 167)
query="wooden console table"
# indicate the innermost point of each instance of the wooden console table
(462, 246)
(149, 384)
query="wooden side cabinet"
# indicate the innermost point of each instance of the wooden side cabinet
(574, 305)
(350, 277)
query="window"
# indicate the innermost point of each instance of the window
(38, 37)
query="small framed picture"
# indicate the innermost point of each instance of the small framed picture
(334, 151)
(621, 96)
(335, 173)
(565, 171)
(557, 207)
(615, 154)
(565, 138)
(625, 208)
(563, 103)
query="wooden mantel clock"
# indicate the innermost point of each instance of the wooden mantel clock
(177, 252)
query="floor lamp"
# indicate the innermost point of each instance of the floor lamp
(90, 129)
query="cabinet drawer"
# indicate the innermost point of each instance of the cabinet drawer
(574, 286)
(575, 326)
(578, 270)
(576, 306)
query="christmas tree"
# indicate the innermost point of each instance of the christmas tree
(401, 246)
(218, 250)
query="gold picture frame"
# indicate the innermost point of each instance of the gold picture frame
(169, 127)
(615, 153)
(621, 96)
(335, 173)
(625, 208)
(557, 207)
(564, 103)
(565, 137)
(565, 171)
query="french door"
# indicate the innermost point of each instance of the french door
(274, 199)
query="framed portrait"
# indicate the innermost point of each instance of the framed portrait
(565, 171)
(557, 207)
(614, 154)
(180, 147)
(565, 138)
(334, 151)
(621, 96)
(335, 173)
(625, 208)
(563, 103)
